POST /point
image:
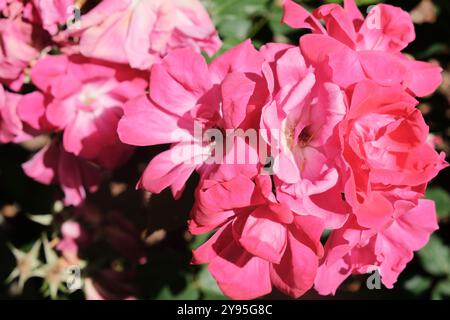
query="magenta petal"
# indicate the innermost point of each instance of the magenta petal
(423, 78)
(264, 238)
(237, 90)
(334, 61)
(167, 169)
(146, 124)
(295, 273)
(243, 58)
(43, 166)
(296, 16)
(211, 248)
(240, 275)
(31, 110)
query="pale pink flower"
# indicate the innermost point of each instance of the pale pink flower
(11, 8)
(84, 99)
(49, 15)
(139, 33)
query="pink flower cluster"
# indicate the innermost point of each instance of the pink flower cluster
(349, 149)
(84, 67)
(345, 148)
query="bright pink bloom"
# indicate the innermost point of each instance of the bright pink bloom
(301, 121)
(139, 32)
(17, 51)
(352, 48)
(356, 250)
(55, 165)
(84, 99)
(260, 242)
(185, 92)
(32, 111)
(385, 146)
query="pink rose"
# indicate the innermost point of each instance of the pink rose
(83, 99)
(385, 147)
(352, 49)
(357, 250)
(188, 95)
(260, 241)
(139, 33)
(301, 120)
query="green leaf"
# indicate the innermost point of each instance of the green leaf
(358, 2)
(367, 2)
(234, 27)
(418, 285)
(199, 240)
(442, 290)
(277, 27)
(433, 50)
(208, 285)
(235, 18)
(233, 7)
(435, 257)
(442, 200)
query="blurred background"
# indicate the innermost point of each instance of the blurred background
(127, 244)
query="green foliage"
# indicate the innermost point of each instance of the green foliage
(358, 2)
(238, 20)
(208, 286)
(435, 257)
(417, 285)
(441, 199)
(442, 290)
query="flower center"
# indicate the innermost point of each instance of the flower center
(304, 137)
(87, 98)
